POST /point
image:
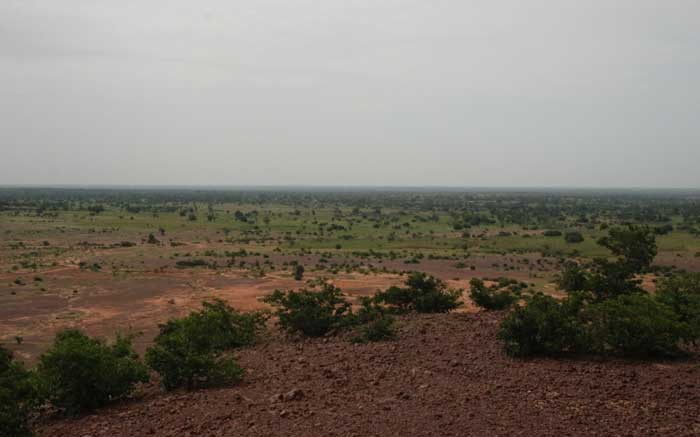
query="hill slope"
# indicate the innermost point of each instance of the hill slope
(446, 375)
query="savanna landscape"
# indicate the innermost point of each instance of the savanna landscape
(122, 264)
(349, 218)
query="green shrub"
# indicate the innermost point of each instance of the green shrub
(423, 293)
(312, 313)
(552, 233)
(379, 329)
(16, 396)
(188, 352)
(298, 273)
(635, 325)
(490, 298)
(376, 325)
(573, 278)
(80, 373)
(573, 237)
(682, 294)
(544, 326)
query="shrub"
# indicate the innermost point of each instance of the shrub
(80, 373)
(635, 325)
(183, 264)
(376, 324)
(573, 237)
(682, 294)
(490, 298)
(544, 326)
(423, 293)
(573, 278)
(16, 395)
(188, 351)
(298, 273)
(552, 233)
(312, 313)
(379, 329)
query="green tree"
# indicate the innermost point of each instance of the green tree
(635, 246)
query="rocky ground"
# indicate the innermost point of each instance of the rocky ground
(445, 375)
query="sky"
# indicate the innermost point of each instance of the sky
(537, 93)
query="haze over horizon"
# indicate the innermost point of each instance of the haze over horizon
(547, 93)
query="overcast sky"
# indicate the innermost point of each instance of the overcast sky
(590, 93)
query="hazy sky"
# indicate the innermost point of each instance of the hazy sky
(350, 92)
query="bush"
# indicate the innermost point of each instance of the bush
(573, 237)
(544, 326)
(188, 351)
(16, 396)
(682, 294)
(552, 233)
(635, 325)
(376, 324)
(298, 273)
(423, 293)
(573, 278)
(312, 313)
(379, 329)
(80, 373)
(490, 298)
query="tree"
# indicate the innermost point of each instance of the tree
(635, 246)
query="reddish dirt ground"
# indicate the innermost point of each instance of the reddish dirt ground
(102, 304)
(445, 375)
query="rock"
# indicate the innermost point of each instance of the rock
(294, 395)
(284, 413)
(276, 398)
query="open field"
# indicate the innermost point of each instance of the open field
(125, 260)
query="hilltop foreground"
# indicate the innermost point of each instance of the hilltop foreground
(445, 375)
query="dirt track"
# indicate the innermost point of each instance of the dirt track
(446, 375)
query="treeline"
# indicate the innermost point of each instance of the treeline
(467, 207)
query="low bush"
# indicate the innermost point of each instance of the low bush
(375, 323)
(545, 326)
(298, 272)
(80, 373)
(490, 298)
(422, 293)
(635, 325)
(185, 263)
(682, 294)
(573, 237)
(16, 396)
(188, 352)
(311, 312)
(379, 329)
